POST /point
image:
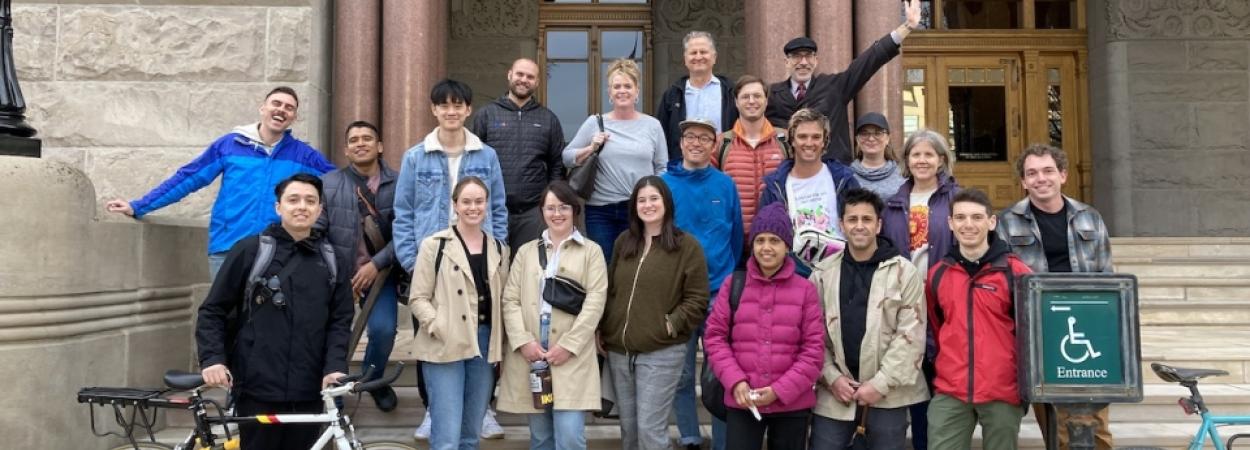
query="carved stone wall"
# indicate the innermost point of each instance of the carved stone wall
(486, 36)
(128, 92)
(1170, 102)
(672, 19)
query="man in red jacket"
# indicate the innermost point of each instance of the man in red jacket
(972, 313)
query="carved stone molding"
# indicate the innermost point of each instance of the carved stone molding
(722, 18)
(1132, 19)
(476, 18)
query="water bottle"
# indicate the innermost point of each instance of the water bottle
(540, 371)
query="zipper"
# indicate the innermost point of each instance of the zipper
(972, 283)
(630, 304)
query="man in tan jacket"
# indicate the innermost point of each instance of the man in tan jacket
(875, 319)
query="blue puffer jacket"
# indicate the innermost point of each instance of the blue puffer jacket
(705, 203)
(423, 193)
(244, 205)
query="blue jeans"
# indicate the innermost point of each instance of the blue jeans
(459, 393)
(558, 430)
(605, 223)
(686, 406)
(381, 327)
(215, 260)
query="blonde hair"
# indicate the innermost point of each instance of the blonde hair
(935, 140)
(624, 66)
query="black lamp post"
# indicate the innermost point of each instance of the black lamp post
(16, 136)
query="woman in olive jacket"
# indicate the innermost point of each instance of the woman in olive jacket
(537, 333)
(657, 298)
(456, 285)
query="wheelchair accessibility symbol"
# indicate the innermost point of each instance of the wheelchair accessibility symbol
(1083, 348)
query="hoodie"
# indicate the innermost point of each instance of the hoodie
(249, 172)
(856, 281)
(883, 180)
(705, 202)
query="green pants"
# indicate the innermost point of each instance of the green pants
(951, 422)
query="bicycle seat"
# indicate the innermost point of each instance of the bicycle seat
(1184, 375)
(178, 379)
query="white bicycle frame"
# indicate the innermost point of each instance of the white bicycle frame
(338, 427)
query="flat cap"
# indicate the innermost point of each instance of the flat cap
(800, 43)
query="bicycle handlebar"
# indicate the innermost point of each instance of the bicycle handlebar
(384, 381)
(361, 376)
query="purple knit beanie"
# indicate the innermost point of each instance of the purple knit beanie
(774, 219)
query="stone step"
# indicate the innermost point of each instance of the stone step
(1207, 267)
(604, 436)
(1154, 313)
(1173, 247)
(1226, 348)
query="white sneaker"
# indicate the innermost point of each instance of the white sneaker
(423, 431)
(490, 426)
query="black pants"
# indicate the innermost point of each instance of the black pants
(258, 436)
(785, 431)
(525, 226)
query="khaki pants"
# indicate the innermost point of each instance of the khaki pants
(1102, 432)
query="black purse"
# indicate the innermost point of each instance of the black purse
(713, 391)
(562, 293)
(582, 178)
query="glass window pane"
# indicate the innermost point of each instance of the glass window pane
(978, 122)
(567, 45)
(622, 44)
(976, 14)
(641, 2)
(603, 93)
(1054, 108)
(914, 105)
(568, 1)
(567, 86)
(1054, 14)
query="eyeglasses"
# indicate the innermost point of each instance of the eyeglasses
(558, 209)
(797, 57)
(873, 134)
(701, 138)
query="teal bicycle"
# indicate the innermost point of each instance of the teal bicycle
(1193, 404)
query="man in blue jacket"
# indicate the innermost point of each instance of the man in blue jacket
(251, 160)
(707, 206)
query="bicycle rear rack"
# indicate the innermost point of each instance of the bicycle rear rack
(136, 399)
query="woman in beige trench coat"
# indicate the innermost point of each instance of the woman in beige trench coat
(569, 349)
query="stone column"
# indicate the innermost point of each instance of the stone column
(357, 70)
(769, 26)
(874, 19)
(829, 24)
(413, 59)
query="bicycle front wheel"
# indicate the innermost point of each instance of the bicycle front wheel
(388, 446)
(144, 446)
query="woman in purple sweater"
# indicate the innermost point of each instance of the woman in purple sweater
(771, 357)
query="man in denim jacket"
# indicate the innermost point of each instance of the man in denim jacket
(1053, 233)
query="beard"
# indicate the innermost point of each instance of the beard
(520, 91)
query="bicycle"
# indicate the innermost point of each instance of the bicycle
(144, 403)
(1193, 404)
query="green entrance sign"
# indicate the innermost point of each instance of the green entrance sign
(1077, 338)
(1081, 337)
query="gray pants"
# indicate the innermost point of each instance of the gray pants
(645, 385)
(887, 430)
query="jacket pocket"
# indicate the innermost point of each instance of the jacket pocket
(1021, 240)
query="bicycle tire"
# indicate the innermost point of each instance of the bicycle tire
(389, 445)
(144, 446)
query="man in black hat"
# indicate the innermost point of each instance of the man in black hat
(829, 93)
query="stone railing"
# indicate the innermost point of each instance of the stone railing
(84, 302)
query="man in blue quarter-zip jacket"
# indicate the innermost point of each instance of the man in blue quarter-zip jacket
(251, 160)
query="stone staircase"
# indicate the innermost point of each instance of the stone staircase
(1194, 296)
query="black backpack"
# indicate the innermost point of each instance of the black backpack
(713, 391)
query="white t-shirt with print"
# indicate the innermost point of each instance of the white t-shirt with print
(813, 202)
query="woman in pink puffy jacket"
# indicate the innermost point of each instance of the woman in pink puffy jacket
(774, 354)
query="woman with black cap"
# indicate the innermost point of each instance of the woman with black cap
(875, 165)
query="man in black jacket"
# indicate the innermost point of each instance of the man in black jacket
(698, 95)
(358, 210)
(529, 140)
(282, 346)
(829, 93)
